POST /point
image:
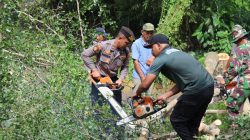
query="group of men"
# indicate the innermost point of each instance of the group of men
(152, 54)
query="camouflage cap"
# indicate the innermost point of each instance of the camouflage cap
(148, 27)
(238, 32)
(127, 33)
(101, 31)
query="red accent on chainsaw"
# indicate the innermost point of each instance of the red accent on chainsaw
(144, 106)
(225, 89)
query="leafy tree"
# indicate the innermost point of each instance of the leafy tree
(171, 20)
(202, 25)
(135, 13)
(44, 91)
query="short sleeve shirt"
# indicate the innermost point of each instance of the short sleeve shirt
(142, 55)
(188, 74)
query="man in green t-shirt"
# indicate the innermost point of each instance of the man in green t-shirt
(189, 76)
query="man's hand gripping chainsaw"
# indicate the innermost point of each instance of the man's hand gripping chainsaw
(224, 89)
(107, 82)
(144, 106)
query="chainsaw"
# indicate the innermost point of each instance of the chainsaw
(225, 90)
(106, 81)
(142, 107)
(106, 87)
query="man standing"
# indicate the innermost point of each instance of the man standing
(142, 57)
(100, 35)
(111, 56)
(239, 67)
(190, 78)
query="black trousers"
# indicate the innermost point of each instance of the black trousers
(188, 112)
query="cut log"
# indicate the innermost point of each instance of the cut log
(210, 111)
(212, 129)
(246, 107)
(221, 64)
(144, 130)
(206, 137)
(211, 60)
(166, 136)
(143, 136)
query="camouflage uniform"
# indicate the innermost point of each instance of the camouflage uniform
(108, 61)
(239, 67)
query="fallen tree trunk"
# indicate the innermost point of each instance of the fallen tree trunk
(211, 129)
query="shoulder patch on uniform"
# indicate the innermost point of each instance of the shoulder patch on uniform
(107, 42)
(107, 52)
(169, 51)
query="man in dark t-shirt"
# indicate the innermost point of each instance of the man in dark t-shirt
(190, 78)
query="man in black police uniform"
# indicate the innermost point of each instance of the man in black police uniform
(190, 78)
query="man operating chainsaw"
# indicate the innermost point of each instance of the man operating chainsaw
(111, 56)
(189, 77)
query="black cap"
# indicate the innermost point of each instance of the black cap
(127, 33)
(158, 38)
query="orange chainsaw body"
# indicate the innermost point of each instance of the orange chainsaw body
(143, 107)
(107, 80)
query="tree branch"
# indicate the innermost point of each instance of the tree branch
(80, 21)
(34, 19)
(40, 61)
(37, 75)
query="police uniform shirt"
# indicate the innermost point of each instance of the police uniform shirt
(109, 59)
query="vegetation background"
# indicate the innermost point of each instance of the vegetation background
(44, 90)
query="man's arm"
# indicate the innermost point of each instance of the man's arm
(138, 69)
(124, 71)
(135, 57)
(145, 84)
(150, 60)
(88, 62)
(87, 54)
(171, 92)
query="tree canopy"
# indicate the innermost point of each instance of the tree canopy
(44, 89)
